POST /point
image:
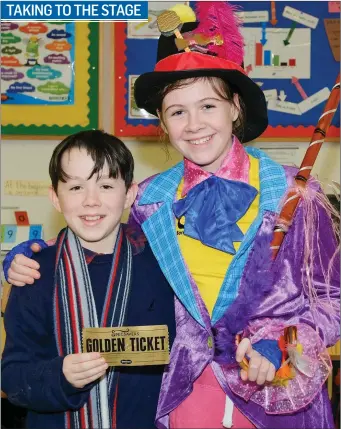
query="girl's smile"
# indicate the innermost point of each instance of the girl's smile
(202, 140)
(199, 122)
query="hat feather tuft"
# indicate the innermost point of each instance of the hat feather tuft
(219, 18)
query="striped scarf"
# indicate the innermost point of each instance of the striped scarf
(74, 309)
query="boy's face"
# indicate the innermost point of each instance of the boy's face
(92, 208)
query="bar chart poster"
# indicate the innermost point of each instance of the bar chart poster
(270, 59)
(289, 51)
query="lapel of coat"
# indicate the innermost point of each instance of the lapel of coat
(160, 231)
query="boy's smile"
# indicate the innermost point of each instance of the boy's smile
(92, 220)
(92, 206)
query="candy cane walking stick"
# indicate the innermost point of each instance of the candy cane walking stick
(308, 162)
(302, 176)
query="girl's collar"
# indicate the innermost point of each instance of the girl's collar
(235, 166)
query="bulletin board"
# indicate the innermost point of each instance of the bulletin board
(287, 52)
(58, 120)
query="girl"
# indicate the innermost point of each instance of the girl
(209, 222)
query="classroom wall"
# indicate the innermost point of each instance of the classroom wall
(29, 159)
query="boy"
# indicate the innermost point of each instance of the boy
(98, 273)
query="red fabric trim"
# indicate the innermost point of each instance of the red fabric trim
(71, 304)
(123, 129)
(77, 294)
(59, 336)
(83, 420)
(91, 422)
(111, 287)
(195, 61)
(114, 408)
(68, 418)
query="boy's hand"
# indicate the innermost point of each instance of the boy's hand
(83, 368)
(24, 270)
(260, 369)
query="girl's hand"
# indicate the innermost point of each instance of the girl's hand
(83, 368)
(260, 369)
(24, 270)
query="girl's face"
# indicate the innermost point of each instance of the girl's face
(199, 123)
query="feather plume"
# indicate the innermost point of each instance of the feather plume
(304, 364)
(218, 17)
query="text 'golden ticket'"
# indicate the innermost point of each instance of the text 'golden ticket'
(129, 345)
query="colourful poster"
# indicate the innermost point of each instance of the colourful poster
(37, 62)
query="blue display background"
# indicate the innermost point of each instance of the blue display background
(141, 57)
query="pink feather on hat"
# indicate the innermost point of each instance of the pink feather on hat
(219, 18)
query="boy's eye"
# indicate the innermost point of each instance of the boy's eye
(75, 188)
(107, 187)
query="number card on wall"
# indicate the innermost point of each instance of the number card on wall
(11, 235)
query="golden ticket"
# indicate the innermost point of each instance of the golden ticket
(129, 345)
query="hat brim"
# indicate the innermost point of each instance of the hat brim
(256, 119)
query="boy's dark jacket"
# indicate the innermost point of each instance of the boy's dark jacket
(32, 373)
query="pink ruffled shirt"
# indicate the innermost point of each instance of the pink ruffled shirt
(236, 166)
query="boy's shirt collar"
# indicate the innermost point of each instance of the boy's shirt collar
(135, 236)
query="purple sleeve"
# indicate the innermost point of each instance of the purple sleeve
(138, 214)
(307, 299)
(299, 296)
(134, 215)
(21, 249)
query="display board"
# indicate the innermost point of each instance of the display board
(55, 117)
(291, 51)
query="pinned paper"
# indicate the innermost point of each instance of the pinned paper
(284, 107)
(300, 17)
(26, 188)
(21, 218)
(334, 7)
(36, 231)
(314, 100)
(332, 27)
(9, 233)
(12, 235)
(283, 153)
(270, 94)
(248, 17)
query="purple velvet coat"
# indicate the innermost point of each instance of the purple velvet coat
(279, 298)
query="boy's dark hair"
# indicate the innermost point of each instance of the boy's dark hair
(102, 148)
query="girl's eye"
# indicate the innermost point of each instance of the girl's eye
(177, 113)
(208, 106)
(75, 188)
